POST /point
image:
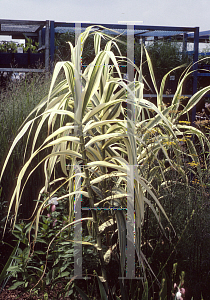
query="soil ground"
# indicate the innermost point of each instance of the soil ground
(20, 294)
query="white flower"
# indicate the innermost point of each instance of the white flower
(178, 295)
(53, 201)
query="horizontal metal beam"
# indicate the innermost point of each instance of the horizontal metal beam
(19, 70)
(164, 96)
(30, 34)
(22, 22)
(203, 74)
(19, 33)
(136, 27)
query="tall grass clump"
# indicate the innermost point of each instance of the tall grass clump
(94, 135)
(17, 99)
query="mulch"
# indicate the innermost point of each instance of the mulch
(7, 294)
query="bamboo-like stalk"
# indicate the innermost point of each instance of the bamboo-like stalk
(103, 158)
(93, 211)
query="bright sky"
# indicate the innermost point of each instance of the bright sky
(188, 13)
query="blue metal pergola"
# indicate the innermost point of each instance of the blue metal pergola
(45, 32)
(140, 31)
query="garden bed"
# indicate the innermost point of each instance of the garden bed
(21, 294)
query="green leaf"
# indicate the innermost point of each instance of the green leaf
(63, 274)
(14, 268)
(40, 240)
(82, 294)
(163, 291)
(7, 265)
(19, 227)
(102, 289)
(16, 285)
(145, 292)
(39, 252)
(121, 225)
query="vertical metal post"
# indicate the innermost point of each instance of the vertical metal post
(130, 266)
(47, 47)
(52, 45)
(43, 36)
(78, 198)
(78, 81)
(78, 31)
(184, 45)
(40, 38)
(195, 68)
(78, 226)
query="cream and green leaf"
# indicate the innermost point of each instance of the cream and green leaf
(88, 125)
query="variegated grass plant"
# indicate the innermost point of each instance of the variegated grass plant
(90, 126)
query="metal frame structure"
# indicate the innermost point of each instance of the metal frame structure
(22, 29)
(44, 32)
(142, 31)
